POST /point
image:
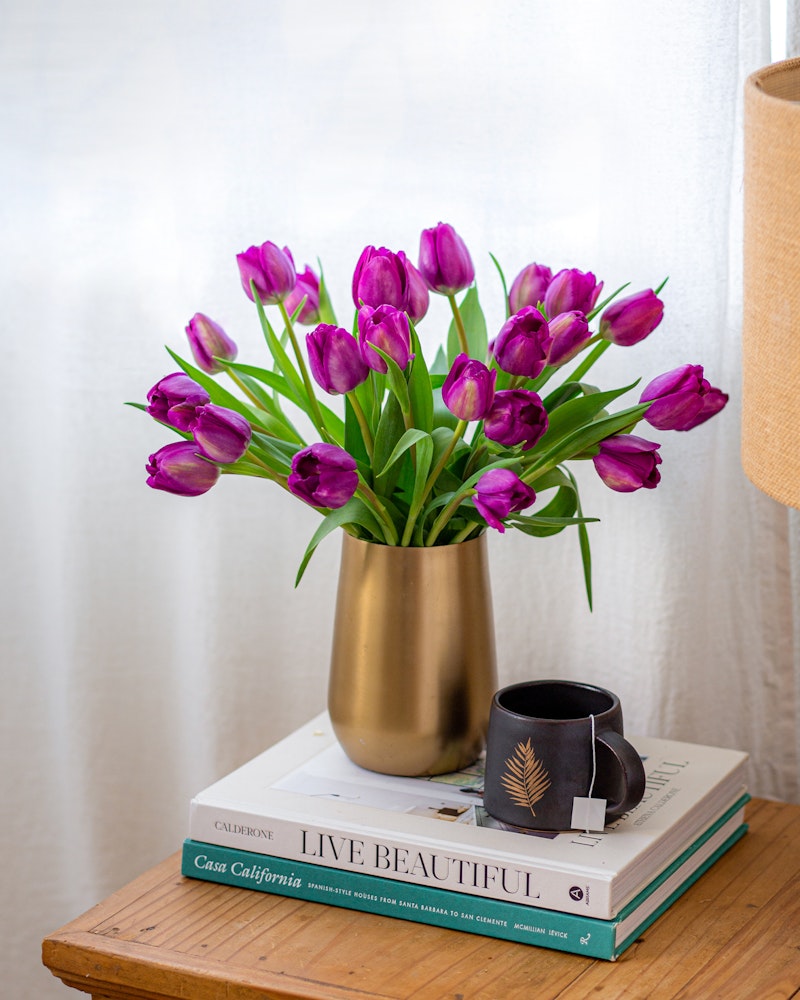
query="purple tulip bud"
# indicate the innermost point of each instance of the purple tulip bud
(468, 389)
(307, 288)
(221, 434)
(417, 295)
(681, 399)
(523, 342)
(572, 289)
(501, 492)
(175, 399)
(713, 401)
(323, 475)
(516, 416)
(444, 260)
(380, 278)
(272, 270)
(335, 359)
(630, 320)
(208, 340)
(177, 468)
(570, 333)
(626, 463)
(387, 329)
(529, 287)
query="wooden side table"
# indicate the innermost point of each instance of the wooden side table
(734, 935)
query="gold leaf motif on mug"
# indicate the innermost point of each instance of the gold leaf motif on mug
(526, 779)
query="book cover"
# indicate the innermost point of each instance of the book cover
(575, 933)
(304, 800)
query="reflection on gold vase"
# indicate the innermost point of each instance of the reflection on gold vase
(413, 665)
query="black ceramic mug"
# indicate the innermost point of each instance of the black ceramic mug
(541, 754)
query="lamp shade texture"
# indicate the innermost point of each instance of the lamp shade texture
(771, 312)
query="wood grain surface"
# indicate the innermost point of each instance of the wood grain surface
(734, 935)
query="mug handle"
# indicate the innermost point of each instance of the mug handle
(633, 776)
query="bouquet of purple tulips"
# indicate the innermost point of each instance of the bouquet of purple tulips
(423, 454)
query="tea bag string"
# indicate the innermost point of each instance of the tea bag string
(594, 759)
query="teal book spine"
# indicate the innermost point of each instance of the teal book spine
(569, 932)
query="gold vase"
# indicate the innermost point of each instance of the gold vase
(413, 666)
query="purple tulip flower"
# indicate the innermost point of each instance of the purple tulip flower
(468, 390)
(177, 468)
(444, 261)
(681, 399)
(221, 434)
(521, 346)
(380, 278)
(501, 492)
(208, 340)
(335, 359)
(516, 416)
(572, 289)
(529, 287)
(307, 287)
(570, 333)
(626, 463)
(713, 401)
(417, 295)
(323, 475)
(387, 329)
(630, 320)
(174, 400)
(272, 270)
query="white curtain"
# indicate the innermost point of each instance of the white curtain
(151, 643)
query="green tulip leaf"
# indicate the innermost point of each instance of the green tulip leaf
(269, 378)
(424, 459)
(411, 437)
(396, 379)
(282, 359)
(496, 263)
(474, 327)
(601, 305)
(577, 413)
(563, 394)
(355, 512)
(585, 438)
(440, 366)
(353, 438)
(326, 313)
(219, 395)
(542, 526)
(391, 428)
(420, 389)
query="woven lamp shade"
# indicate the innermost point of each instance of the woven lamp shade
(771, 320)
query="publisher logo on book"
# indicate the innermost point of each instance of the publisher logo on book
(576, 893)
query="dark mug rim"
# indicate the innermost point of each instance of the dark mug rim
(614, 701)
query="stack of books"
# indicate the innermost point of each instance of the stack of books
(302, 820)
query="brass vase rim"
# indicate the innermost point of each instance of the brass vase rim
(414, 548)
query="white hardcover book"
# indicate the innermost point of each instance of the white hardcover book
(304, 800)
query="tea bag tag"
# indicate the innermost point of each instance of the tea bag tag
(589, 814)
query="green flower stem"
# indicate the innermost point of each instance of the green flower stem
(250, 395)
(448, 512)
(316, 413)
(276, 477)
(292, 432)
(413, 514)
(601, 346)
(387, 525)
(464, 534)
(478, 452)
(366, 434)
(462, 333)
